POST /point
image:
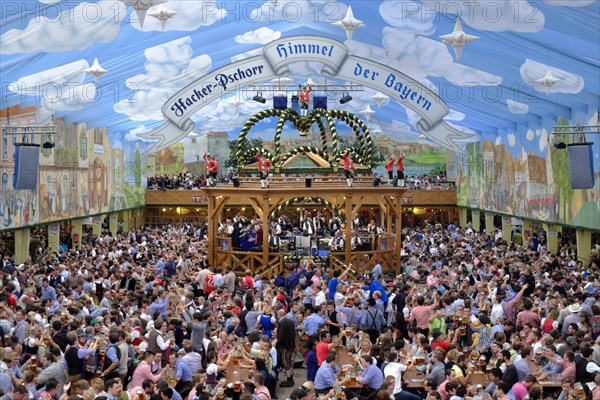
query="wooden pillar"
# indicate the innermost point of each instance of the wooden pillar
(212, 232)
(462, 217)
(398, 244)
(584, 245)
(97, 225)
(389, 213)
(124, 215)
(552, 237)
(476, 220)
(21, 246)
(54, 236)
(265, 219)
(113, 224)
(506, 229)
(489, 223)
(348, 240)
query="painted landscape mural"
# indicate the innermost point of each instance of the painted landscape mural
(87, 172)
(526, 176)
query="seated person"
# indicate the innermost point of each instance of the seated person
(337, 241)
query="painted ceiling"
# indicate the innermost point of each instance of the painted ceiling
(531, 61)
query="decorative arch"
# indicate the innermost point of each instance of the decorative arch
(360, 129)
(308, 200)
(253, 120)
(366, 143)
(281, 159)
(251, 152)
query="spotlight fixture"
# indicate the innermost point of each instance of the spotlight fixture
(345, 98)
(259, 99)
(48, 145)
(560, 145)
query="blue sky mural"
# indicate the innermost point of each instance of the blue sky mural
(494, 88)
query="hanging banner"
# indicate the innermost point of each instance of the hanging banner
(337, 64)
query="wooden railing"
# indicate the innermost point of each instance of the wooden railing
(362, 261)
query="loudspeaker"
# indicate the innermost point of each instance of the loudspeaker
(581, 165)
(280, 102)
(395, 181)
(320, 102)
(308, 182)
(27, 165)
(236, 182)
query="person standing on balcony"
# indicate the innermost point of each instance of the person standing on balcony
(264, 165)
(400, 169)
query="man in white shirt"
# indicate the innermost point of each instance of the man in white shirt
(395, 369)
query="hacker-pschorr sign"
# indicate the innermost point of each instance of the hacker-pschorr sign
(337, 64)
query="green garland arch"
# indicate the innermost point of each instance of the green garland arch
(363, 152)
(251, 153)
(300, 200)
(340, 154)
(253, 120)
(282, 158)
(367, 135)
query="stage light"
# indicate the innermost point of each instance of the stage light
(259, 99)
(345, 98)
(560, 145)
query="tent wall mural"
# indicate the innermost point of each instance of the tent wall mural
(87, 172)
(522, 174)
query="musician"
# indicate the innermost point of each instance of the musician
(264, 165)
(274, 225)
(274, 241)
(335, 224)
(320, 222)
(304, 100)
(373, 230)
(308, 227)
(337, 241)
(284, 222)
(348, 167)
(355, 240)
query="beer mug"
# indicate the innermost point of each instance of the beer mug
(33, 364)
(462, 331)
(140, 394)
(172, 381)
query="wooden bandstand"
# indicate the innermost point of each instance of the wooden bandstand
(334, 190)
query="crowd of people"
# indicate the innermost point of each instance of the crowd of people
(142, 315)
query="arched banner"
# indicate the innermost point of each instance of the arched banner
(337, 64)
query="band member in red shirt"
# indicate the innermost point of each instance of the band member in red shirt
(264, 165)
(400, 170)
(348, 167)
(390, 169)
(304, 100)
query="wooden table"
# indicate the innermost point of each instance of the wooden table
(480, 378)
(413, 379)
(343, 356)
(243, 373)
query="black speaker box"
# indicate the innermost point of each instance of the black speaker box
(280, 102)
(320, 102)
(581, 164)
